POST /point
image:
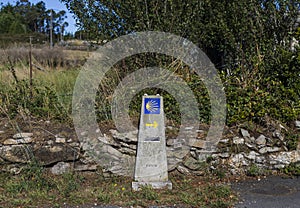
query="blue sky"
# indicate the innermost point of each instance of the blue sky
(56, 5)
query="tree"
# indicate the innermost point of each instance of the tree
(247, 40)
(26, 17)
(5, 21)
(233, 33)
(17, 28)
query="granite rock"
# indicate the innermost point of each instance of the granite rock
(237, 140)
(245, 133)
(265, 150)
(261, 140)
(61, 168)
(191, 163)
(22, 135)
(25, 140)
(16, 153)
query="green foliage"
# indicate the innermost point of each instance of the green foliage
(210, 196)
(276, 94)
(62, 83)
(188, 199)
(240, 36)
(103, 196)
(68, 184)
(292, 140)
(35, 187)
(220, 173)
(259, 71)
(17, 28)
(292, 169)
(25, 17)
(148, 193)
(37, 100)
(172, 108)
(32, 178)
(6, 20)
(254, 170)
(252, 104)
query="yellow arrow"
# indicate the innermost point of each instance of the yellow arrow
(154, 124)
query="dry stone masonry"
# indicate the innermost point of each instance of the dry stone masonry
(237, 151)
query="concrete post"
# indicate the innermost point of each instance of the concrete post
(151, 160)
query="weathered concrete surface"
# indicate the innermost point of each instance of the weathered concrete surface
(273, 191)
(151, 161)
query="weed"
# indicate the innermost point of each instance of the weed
(148, 193)
(62, 82)
(292, 140)
(39, 100)
(103, 196)
(182, 183)
(209, 159)
(68, 183)
(13, 187)
(35, 187)
(214, 196)
(219, 204)
(188, 198)
(254, 170)
(220, 173)
(221, 191)
(32, 179)
(292, 169)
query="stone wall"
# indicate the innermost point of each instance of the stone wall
(237, 151)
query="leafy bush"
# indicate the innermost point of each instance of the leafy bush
(252, 104)
(38, 100)
(292, 169)
(275, 91)
(272, 89)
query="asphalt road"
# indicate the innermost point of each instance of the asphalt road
(273, 191)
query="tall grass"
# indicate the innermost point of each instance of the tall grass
(62, 82)
(50, 96)
(54, 74)
(43, 57)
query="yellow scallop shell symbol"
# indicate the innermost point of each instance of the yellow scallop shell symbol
(152, 106)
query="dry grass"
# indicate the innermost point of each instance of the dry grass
(43, 57)
(55, 68)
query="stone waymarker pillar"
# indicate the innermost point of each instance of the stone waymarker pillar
(151, 160)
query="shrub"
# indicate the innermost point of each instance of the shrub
(37, 100)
